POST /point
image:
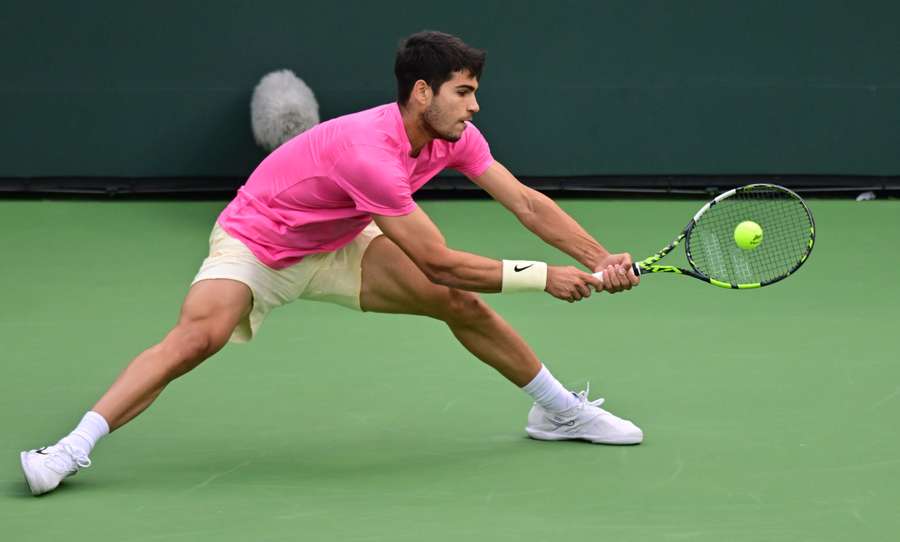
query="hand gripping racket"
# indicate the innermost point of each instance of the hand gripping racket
(788, 235)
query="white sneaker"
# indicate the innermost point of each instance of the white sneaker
(46, 467)
(586, 421)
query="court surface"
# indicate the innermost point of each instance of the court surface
(768, 414)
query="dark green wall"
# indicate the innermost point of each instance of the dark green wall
(140, 89)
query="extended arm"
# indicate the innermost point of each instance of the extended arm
(548, 221)
(421, 240)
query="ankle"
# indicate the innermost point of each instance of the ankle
(546, 391)
(89, 431)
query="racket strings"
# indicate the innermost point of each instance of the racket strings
(787, 231)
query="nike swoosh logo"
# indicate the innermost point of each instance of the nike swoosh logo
(517, 268)
(41, 451)
(557, 424)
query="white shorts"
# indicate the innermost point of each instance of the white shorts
(334, 277)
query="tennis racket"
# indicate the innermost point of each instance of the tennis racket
(788, 235)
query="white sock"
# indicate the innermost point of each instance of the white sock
(549, 393)
(92, 428)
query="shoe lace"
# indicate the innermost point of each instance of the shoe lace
(69, 461)
(583, 398)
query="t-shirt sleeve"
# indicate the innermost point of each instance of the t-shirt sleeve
(375, 181)
(471, 154)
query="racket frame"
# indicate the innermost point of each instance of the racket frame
(648, 265)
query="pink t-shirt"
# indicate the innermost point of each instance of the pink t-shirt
(317, 191)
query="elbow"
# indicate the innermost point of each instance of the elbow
(528, 212)
(528, 218)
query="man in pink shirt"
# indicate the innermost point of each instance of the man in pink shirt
(330, 216)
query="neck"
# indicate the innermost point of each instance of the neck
(415, 130)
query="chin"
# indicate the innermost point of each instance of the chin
(453, 137)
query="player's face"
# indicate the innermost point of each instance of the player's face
(450, 108)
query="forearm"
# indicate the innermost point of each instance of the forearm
(465, 271)
(549, 222)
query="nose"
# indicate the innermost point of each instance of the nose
(473, 105)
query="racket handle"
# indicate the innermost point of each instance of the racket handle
(634, 267)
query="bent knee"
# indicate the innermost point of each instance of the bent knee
(194, 341)
(465, 306)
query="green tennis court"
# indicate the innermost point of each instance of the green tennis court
(768, 414)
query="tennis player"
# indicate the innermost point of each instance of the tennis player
(330, 216)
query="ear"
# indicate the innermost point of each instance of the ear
(422, 93)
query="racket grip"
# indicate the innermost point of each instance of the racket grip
(634, 267)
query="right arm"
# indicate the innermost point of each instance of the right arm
(421, 240)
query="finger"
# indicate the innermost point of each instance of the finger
(613, 279)
(633, 277)
(576, 293)
(609, 279)
(586, 290)
(593, 281)
(570, 294)
(623, 274)
(583, 289)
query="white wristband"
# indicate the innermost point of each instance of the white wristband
(523, 276)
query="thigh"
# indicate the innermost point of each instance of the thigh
(392, 283)
(219, 303)
(232, 274)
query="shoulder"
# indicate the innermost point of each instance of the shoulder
(367, 160)
(471, 155)
(374, 127)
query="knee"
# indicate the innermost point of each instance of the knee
(463, 306)
(189, 344)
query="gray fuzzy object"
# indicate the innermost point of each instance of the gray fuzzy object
(282, 107)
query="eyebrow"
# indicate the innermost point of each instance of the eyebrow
(467, 87)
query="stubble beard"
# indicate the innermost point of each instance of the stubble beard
(430, 117)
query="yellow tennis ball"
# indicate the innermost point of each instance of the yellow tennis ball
(748, 235)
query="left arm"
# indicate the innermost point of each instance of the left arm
(548, 221)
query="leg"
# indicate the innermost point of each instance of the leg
(392, 283)
(210, 313)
